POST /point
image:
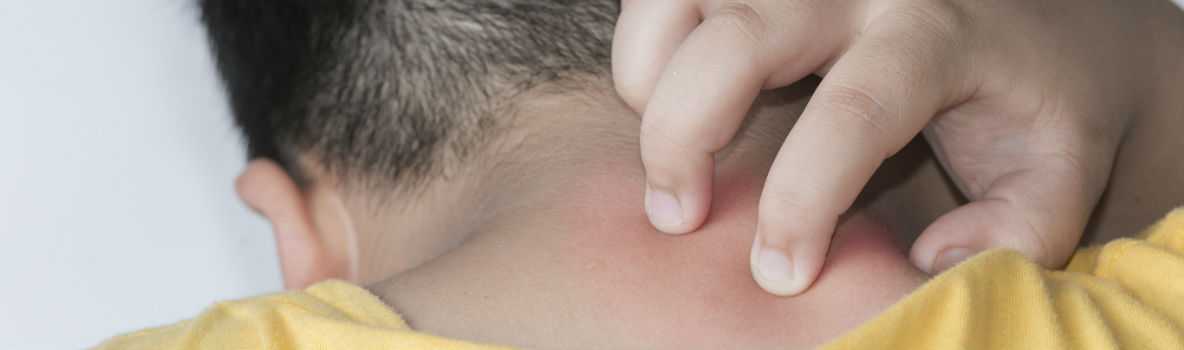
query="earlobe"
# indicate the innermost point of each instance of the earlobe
(304, 260)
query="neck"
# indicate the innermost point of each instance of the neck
(571, 261)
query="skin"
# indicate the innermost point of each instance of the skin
(560, 252)
(1026, 105)
(541, 242)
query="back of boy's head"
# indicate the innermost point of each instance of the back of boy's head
(393, 92)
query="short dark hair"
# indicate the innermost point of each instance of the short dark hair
(387, 89)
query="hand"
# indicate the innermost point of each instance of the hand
(1024, 102)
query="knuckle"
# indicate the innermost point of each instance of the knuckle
(928, 46)
(778, 226)
(943, 20)
(859, 107)
(667, 159)
(744, 18)
(775, 206)
(782, 209)
(663, 173)
(687, 136)
(656, 136)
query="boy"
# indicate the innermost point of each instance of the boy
(471, 166)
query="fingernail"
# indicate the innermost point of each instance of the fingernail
(950, 257)
(774, 271)
(664, 210)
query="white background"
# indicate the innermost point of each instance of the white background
(117, 157)
(117, 162)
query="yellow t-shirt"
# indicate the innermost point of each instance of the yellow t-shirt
(1127, 294)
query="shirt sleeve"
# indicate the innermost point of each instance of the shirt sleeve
(1126, 294)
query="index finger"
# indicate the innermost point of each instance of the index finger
(697, 106)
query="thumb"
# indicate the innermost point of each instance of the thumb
(1040, 212)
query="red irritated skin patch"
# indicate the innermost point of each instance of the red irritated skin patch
(670, 284)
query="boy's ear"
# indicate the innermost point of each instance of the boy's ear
(266, 187)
